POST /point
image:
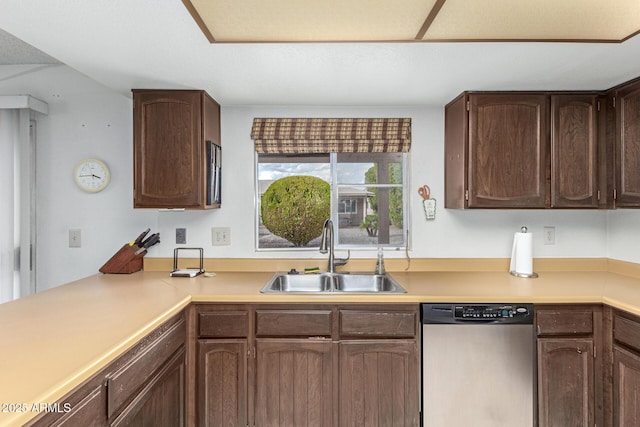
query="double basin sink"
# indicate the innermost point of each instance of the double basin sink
(343, 283)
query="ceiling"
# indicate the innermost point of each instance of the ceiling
(157, 44)
(414, 20)
(16, 52)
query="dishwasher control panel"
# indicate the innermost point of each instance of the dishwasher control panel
(518, 313)
(489, 312)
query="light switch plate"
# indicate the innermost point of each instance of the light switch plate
(75, 238)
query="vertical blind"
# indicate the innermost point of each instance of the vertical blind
(331, 135)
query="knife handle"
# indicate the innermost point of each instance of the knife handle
(140, 237)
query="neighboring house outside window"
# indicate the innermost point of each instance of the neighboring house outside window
(352, 205)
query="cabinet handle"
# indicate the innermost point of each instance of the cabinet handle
(579, 351)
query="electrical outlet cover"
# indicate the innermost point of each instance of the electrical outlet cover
(549, 235)
(220, 236)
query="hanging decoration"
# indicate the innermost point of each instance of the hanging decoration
(428, 203)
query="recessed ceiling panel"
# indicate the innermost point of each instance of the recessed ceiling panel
(312, 20)
(411, 20)
(596, 20)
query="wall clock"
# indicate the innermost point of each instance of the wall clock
(91, 175)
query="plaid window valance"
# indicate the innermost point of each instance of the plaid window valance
(331, 135)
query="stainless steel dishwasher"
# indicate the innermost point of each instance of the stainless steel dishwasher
(478, 365)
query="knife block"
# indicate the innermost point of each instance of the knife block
(125, 261)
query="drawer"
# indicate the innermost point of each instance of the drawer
(278, 323)
(357, 323)
(223, 324)
(627, 332)
(564, 322)
(125, 382)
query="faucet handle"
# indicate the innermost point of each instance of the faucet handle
(342, 261)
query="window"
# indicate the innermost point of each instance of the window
(367, 196)
(351, 170)
(347, 206)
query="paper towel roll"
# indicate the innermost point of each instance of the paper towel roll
(522, 255)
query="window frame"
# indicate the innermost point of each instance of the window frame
(353, 203)
(333, 161)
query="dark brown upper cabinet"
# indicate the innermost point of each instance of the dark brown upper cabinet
(496, 149)
(627, 137)
(172, 135)
(522, 150)
(574, 151)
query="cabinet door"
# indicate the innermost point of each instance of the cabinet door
(294, 383)
(628, 146)
(141, 364)
(161, 402)
(508, 151)
(168, 149)
(379, 383)
(574, 139)
(85, 410)
(222, 383)
(626, 388)
(566, 382)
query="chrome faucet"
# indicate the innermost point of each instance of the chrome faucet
(326, 245)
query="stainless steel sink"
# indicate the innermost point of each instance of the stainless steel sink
(342, 283)
(366, 283)
(283, 282)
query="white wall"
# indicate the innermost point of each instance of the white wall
(87, 119)
(623, 234)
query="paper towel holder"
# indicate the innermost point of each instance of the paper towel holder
(532, 275)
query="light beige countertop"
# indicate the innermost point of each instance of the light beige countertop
(54, 340)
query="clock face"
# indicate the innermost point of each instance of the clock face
(91, 175)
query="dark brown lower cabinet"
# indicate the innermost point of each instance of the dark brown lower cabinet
(86, 409)
(341, 365)
(626, 370)
(143, 387)
(294, 383)
(298, 365)
(570, 371)
(89, 411)
(222, 382)
(626, 387)
(566, 382)
(379, 383)
(161, 401)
